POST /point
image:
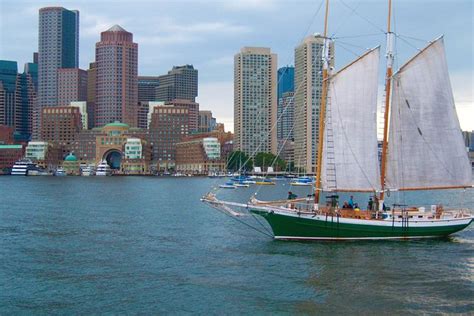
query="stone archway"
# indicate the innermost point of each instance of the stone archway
(113, 158)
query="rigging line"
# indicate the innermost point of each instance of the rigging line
(241, 221)
(347, 49)
(413, 38)
(356, 36)
(344, 21)
(261, 224)
(364, 18)
(312, 20)
(407, 42)
(349, 144)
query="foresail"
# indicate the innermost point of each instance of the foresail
(426, 149)
(350, 155)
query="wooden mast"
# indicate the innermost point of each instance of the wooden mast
(322, 112)
(388, 81)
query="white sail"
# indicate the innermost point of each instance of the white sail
(426, 149)
(350, 154)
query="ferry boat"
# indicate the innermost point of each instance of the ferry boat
(103, 169)
(22, 167)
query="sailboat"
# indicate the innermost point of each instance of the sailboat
(422, 149)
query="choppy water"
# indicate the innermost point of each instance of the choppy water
(147, 245)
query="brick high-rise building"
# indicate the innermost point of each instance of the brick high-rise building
(58, 48)
(255, 100)
(169, 124)
(61, 125)
(206, 122)
(116, 87)
(72, 85)
(307, 99)
(181, 82)
(193, 109)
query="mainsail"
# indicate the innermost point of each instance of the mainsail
(426, 149)
(350, 155)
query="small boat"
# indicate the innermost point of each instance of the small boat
(265, 182)
(241, 185)
(103, 169)
(227, 185)
(302, 181)
(60, 172)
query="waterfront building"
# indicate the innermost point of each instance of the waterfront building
(9, 96)
(286, 150)
(58, 47)
(82, 106)
(168, 126)
(181, 82)
(307, 99)
(72, 85)
(147, 88)
(46, 155)
(193, 111)
(255, 100)
(60, 125)
(71, 165)
(286, 110)
(117, 89)
(9, 154)
(286, 80)
(207, 122)
(199, 156)
(91, 82)
(137, 156)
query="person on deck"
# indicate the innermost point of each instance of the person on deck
(291, 196)
(370, 205)
(351, 202)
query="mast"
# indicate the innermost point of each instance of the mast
(322, 112)
(388, 81)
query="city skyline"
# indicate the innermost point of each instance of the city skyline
(218, 30)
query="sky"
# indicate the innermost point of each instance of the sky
(208, 33)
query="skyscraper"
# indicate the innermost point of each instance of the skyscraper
(72, 85)
(181, 82)
(116, 58)
(58, 48)
(286, 80)
(9, 97)
(255, 100)
(286, 110)
(147, 88)
(91, 82)
(27, 82)
(308, 80)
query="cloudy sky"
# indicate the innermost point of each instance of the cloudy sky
(208, 33)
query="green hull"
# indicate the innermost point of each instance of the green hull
(291, 227)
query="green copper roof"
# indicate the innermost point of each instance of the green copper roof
(10, 146)
(116, 124)
(70, 157)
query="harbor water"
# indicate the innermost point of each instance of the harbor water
(147, 245)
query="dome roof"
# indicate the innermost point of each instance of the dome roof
(117, 124)
(70, 157)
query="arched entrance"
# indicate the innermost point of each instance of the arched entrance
(113, 158)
